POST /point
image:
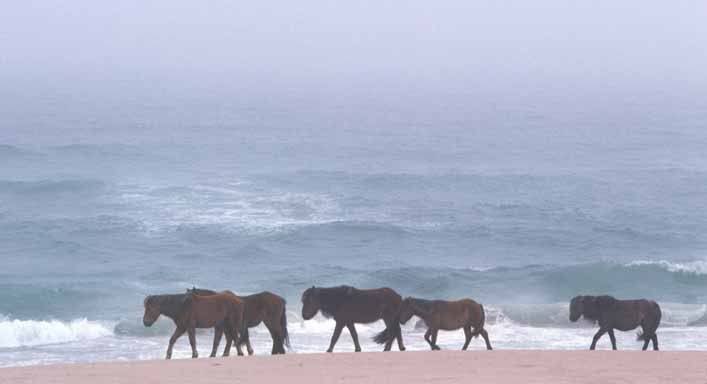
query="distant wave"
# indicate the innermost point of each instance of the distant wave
(10, 151)
(21, 333)
(50, 186)
(515, 285)
(698, 267)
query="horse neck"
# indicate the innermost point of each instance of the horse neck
(419, 307)
(331, 298)
(171, 305)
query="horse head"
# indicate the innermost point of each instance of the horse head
(406, 310)
(152, 310)
(310, 303)
(581, 305)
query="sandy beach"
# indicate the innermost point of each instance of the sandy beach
(409, 367)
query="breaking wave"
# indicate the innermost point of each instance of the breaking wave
(23, 333)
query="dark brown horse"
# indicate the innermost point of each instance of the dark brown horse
(623, 315)
(448, 316)
(348, 306)
(220, 311)
(265, 307)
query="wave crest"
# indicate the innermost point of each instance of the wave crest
(23, 333)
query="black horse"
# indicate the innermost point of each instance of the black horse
(623, 315)
(348, 306)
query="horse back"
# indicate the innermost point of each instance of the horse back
(368, 305)
(263, 305)
(209, 311)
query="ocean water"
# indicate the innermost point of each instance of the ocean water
(518, 202)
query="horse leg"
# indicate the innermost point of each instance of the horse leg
(427, 338)
(612, 338)
(218, 332)
(389, 325)
(646, 336)
(645, 343)
(277, 338)
(399, 337)
(354, 336)
(485, 335)
(435, 347)
(229, 341)
(335, 337)
(192, 342)
(598, 335)
(237, 338)
(655, 341)
(467, 336)
(177, 333)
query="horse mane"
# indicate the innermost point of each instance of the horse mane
(420, 307)
(330, 299)
(201, 291)
(170, 305)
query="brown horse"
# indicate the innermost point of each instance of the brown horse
(265, 307)
(220, 311)
(623, 315)
(448, 316)
(348, 306)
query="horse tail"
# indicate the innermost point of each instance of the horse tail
(245, 335)
(650, 331)
(283, 324)
(482, 321)
(389, 333)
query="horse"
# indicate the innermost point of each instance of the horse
(348, 306)
(188, 311)
(265, 307)
(623, 315)
(448, 316)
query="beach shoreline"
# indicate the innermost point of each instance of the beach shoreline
(517, 366)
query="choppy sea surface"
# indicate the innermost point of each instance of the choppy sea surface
(518, 205)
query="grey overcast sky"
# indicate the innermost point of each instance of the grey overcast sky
(628, 41)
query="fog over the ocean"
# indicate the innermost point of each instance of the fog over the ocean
(99, 58)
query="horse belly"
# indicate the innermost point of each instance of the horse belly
(356, 315)
(451, 324)
(627, 320)
(210, 317)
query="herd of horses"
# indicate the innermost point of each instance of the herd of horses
(232, 315)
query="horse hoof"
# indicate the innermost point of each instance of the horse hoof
(357, 350)
(402, 349)
(329, 351)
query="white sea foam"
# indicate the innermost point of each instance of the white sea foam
(697, 267)
(21, 333)
(229, 207)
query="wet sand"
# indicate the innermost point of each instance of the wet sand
(395, 367)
